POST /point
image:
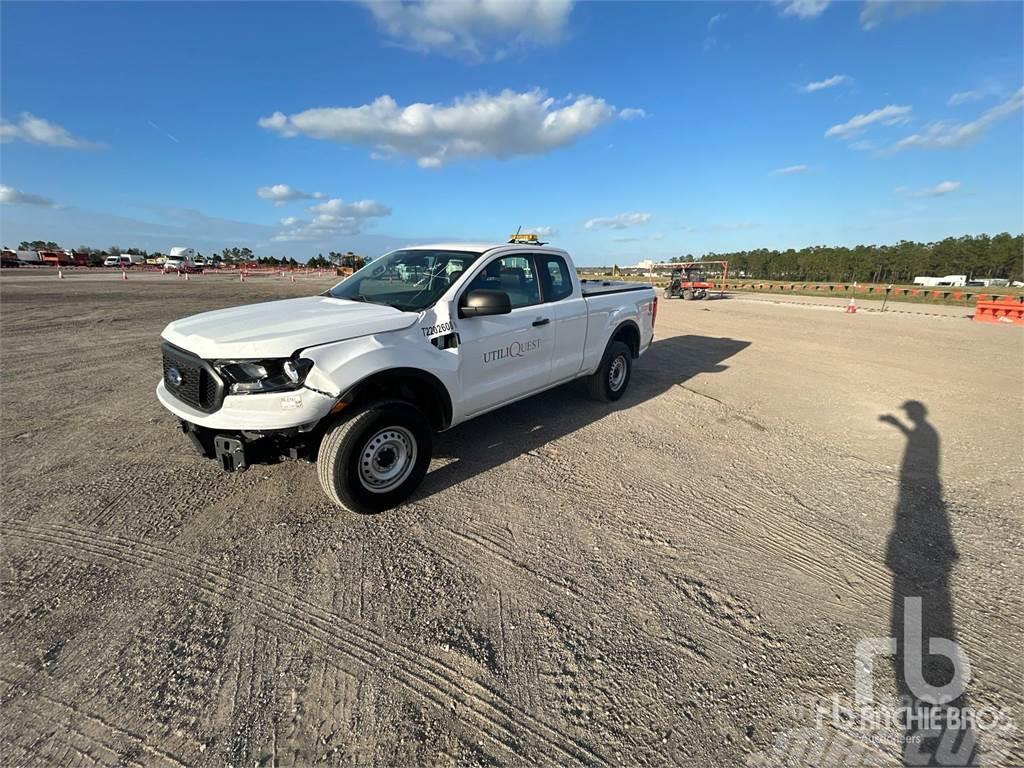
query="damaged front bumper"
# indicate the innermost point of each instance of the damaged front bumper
(257, 428)
(236, 451)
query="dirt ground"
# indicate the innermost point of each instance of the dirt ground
(658, 582)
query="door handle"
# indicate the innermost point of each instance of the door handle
(541, 321)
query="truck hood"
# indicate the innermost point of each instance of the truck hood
(279, 328)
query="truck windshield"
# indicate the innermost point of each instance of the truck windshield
(407, 280)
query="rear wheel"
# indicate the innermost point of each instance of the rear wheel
(375, 460)
(609, 381)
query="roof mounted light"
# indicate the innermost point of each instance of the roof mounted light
(525, 238)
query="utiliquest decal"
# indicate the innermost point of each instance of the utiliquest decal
(515, 349)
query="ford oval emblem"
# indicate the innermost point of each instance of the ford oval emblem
(174, 376)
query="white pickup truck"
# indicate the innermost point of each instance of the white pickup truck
(417, 341)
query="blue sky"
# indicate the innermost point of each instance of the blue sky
(628, 130)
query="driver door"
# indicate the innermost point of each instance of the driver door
(503, 357)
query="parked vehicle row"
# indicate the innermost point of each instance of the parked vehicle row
(179, 259)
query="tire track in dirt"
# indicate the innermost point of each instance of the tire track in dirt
(479, 540)
(108, 734)
(761, 518)
(536, 577)
(268, 605)
(424, 676)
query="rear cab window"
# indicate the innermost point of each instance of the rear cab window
(555, 278)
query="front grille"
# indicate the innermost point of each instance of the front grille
(196, 383)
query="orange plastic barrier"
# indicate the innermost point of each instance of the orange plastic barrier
(1004, 311)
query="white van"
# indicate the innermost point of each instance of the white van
(124, 261)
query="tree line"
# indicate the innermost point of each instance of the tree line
(981, 256)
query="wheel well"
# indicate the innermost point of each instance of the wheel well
(629, 334)
(422, 389)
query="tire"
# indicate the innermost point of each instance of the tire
(375, 459)
(688, 294)
(608, 383)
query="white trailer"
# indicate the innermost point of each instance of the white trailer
(955, 281)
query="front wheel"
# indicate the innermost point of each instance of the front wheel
(609, 381)
(375, 460)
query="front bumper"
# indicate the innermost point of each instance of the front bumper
(256, 413)
(235, 451)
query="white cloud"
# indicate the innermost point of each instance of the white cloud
(281, 194)
(505, 125)
(791, 170)
(621, 221)
(333, 218)
(711, 40)
(889, 115)
(39, 130)
(965, 97)
(820, 85)
(803, 9)
(359, 209)
(944, 135)
(12, 196)
(876, 12)
(988, 90)
(631, 114)
(472, 28)
(940, 189)
(544, 231)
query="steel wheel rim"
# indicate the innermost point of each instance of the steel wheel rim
(617, 373)
(387, 459)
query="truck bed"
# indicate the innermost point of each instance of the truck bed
(602, 287)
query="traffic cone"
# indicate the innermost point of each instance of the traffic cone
(851, 308)
(124, 275)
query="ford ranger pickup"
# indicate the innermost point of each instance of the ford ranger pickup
(419, 340)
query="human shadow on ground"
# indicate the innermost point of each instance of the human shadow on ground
(921, 554)
(499, 436)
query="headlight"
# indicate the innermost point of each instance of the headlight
(245, 377)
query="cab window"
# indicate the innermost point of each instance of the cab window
(555, 279)
(514, 275)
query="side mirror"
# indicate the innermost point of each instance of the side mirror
(481, 303)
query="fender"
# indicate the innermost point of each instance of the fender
(600, 332)
(339, 368)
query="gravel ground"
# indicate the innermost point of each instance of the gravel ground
(663, 581)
